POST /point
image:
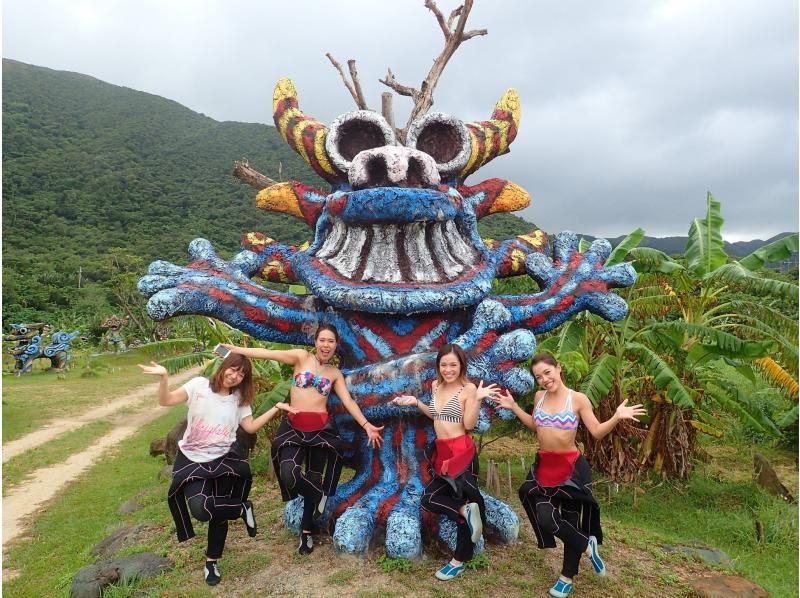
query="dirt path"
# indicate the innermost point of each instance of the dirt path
(26, 498)
(56, 428)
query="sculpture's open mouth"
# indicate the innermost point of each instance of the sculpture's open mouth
(413, 252)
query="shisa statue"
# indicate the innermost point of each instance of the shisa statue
(30, 345)
(398, 267)
(114, 340)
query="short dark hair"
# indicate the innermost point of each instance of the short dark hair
(460, 355)
(246, 387)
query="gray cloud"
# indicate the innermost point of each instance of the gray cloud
(631, 110)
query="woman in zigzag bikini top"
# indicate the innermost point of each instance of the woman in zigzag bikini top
(557, 494)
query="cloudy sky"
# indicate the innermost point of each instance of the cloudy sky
(632, 109)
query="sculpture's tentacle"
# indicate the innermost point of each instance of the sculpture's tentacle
(572, 282)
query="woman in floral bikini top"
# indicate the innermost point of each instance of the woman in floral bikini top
(309, 437)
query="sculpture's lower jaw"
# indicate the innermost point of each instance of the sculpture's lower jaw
(403, 297)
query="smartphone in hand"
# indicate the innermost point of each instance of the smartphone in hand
(222, 351)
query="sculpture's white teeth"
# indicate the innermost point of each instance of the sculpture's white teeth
(416, 252)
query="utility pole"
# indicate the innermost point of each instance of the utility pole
(80, 271)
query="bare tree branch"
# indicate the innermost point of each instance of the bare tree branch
(473, 33)
(247, 174)
(431, 6)
(360, 101)
(453, 16)
(358, 96)
(423, 98)
(403, 90)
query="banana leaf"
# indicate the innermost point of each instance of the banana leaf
(663, 376)
(622, 249)
(705, 249)
(773, 252)
(601, 378)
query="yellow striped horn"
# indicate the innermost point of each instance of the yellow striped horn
(304, 134)
(492, 138)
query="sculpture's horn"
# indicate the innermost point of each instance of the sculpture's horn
(304, 134)
(491, 138)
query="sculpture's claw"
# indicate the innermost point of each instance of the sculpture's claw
(354, 530)
(403, 528)
(501, 518)
(448, 532)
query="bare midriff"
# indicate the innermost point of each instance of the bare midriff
(551, 439)
(307, 399)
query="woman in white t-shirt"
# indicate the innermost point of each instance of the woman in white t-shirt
(211, 477)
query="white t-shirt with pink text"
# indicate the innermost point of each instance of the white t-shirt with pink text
(211, 423)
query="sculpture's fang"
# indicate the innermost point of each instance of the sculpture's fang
(415, 252)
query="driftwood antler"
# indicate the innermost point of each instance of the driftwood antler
(453, 36)
(422, 97)
(247, 174)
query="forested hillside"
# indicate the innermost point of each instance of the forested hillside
(90, 167)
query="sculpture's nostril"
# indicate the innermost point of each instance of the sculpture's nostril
(415, 177)
(377, 172)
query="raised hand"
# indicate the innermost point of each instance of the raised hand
(504, 399)
(484, 392)
(625, 411)
(153, 369)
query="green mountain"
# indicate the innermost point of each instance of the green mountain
(89, 167)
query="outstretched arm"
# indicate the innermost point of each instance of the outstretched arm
(165, 397)
(583, 407)
(251, 424)
(409, 401)
(373, 432)
(289, 356)
(506, 401)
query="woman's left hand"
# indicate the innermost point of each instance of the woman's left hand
(625, 411)
(286, 407)
(374, 435)
(483, 392)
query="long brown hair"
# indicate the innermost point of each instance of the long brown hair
(460, 355)
(245, 388)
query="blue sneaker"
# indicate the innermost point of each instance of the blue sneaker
(450, 571)
(560, 589)
(594, 557)
(474, 522)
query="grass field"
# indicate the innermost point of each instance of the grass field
(717, 507)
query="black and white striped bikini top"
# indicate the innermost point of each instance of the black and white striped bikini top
(452, 410)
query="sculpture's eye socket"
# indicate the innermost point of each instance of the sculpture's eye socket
(22, 330)
(444, 138)
(355, 132)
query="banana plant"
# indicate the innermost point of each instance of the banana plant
(686, 319)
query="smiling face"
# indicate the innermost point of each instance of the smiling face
(325, 344)
(547, 375)
(450, 368)
(232, 377)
